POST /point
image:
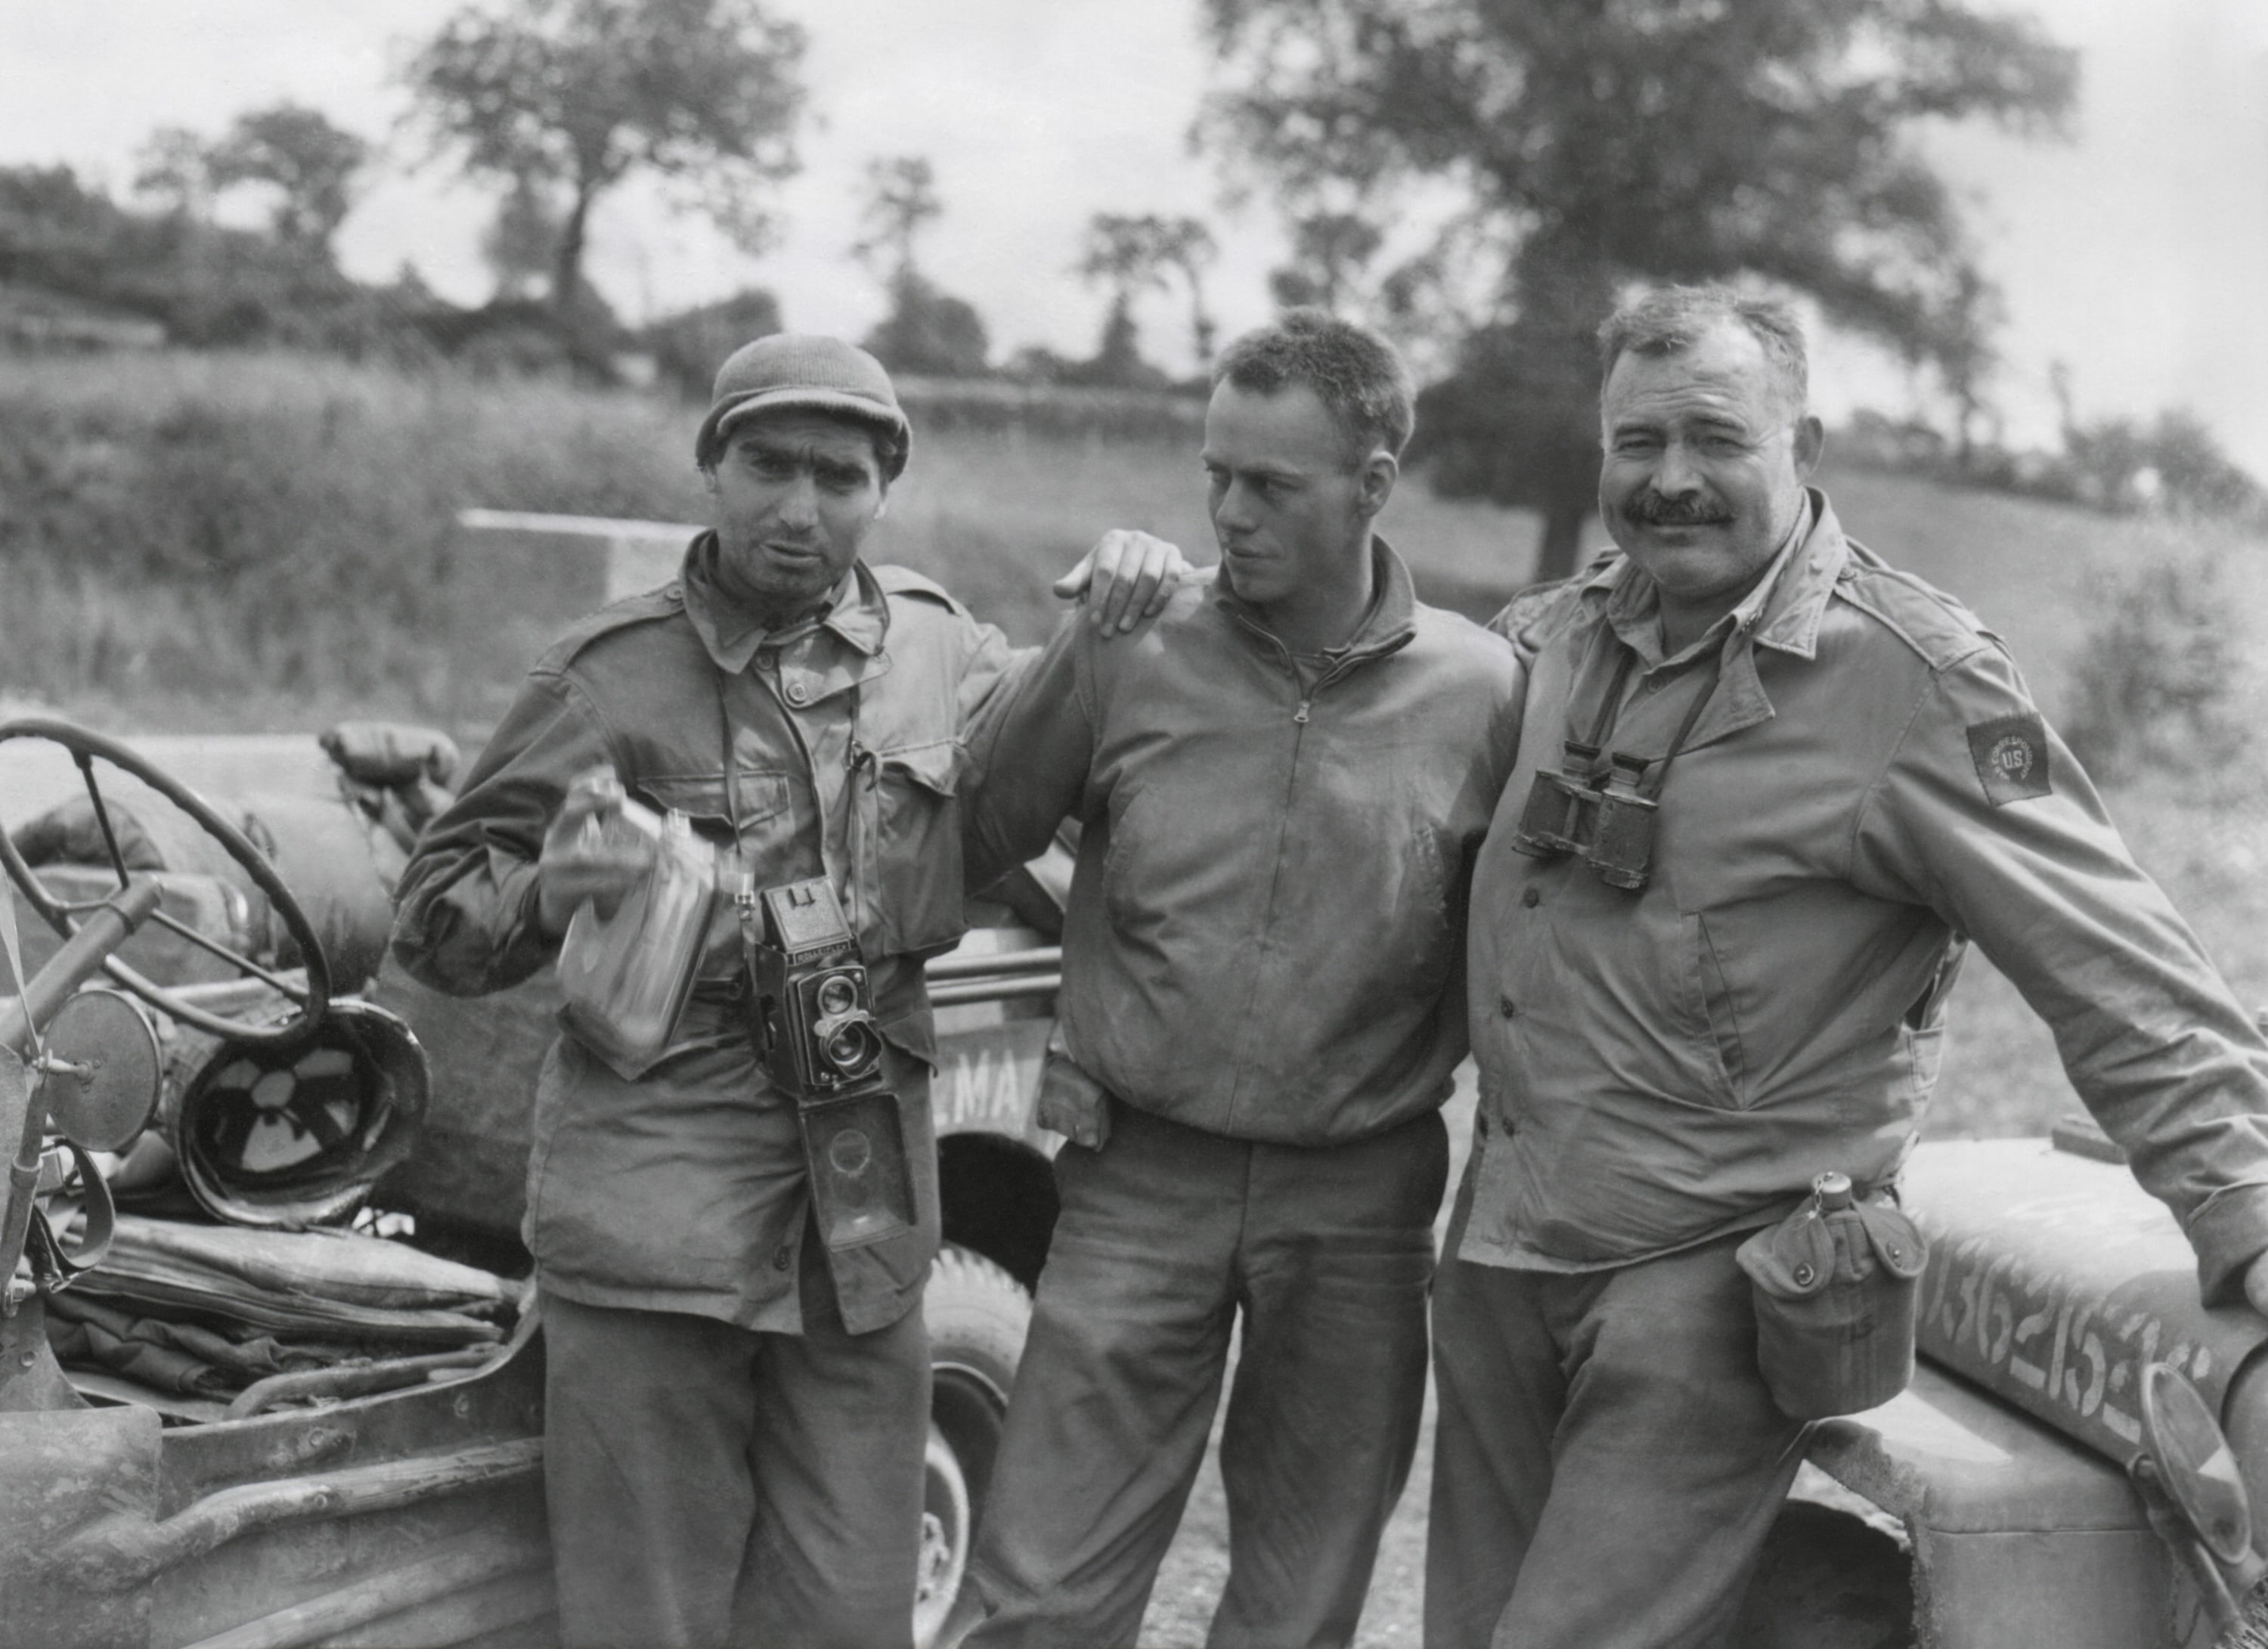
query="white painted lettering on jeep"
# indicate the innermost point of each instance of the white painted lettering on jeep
(1989, 1315)
(984, 1092)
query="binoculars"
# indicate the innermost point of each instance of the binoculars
(1603, 816)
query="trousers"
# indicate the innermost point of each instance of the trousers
(1168, 1235)
(1606, 1461)
(708, 1485)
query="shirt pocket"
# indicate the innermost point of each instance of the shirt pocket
(914, 858)
(766, 840)
(700, 796)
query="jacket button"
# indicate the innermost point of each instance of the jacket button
(797, 692)
(783, 1257)
(1506, 1006)
(1531, 898)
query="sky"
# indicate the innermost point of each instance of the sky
(2137, 254)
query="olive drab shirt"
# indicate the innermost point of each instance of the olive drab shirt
(829, 748)
(1868, 786)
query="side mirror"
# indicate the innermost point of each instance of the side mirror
(98, 1083)
(2194, 1493)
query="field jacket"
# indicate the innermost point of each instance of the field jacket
(1869, 783)
(1265, 924)
(831, 748)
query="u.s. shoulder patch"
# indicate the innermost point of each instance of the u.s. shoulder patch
(2012, 758)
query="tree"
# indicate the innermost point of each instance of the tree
(172, 169)
(690, 346)
(1131, 254)
(1188, 249)
(928, 330)
(2194, 472)
(570, 97)
(310, 163)
(1121, 254)
(1602, 142)
(2123, 463)
(521, 242)
(901, 201)
(1329, 252)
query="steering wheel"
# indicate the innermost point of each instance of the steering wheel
(312, 998)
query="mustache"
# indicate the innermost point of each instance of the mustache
(1656, 510)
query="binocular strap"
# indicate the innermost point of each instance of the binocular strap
(1610, 707)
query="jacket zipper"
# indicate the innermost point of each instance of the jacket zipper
(1282, 835)
(1299, 718)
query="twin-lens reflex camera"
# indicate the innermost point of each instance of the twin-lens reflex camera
(815, 1028)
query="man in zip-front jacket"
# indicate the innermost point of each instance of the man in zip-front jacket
(1281, 784)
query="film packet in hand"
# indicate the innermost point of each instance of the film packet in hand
(626, 976)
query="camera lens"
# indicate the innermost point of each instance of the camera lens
(837, 994)
(852, 1047)
(849, 1151)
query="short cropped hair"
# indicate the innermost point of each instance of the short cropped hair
(1358, 376)
(1673, 318)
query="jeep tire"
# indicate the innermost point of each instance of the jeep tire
(978, 1316)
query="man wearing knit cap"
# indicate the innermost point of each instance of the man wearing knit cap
(735, 1414)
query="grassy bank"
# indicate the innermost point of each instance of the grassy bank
(204, 543)
(209, 543)
(200, 541)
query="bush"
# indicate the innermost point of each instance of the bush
(2162, 683)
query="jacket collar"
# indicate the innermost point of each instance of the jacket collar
(1782, 613)
(857, 613)
(1388, 627)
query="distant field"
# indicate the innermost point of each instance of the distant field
(198, 544)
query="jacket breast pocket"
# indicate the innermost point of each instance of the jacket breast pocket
(914, 857)
(701, 798)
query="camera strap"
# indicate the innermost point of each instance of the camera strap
(744, 882)
(857, 762)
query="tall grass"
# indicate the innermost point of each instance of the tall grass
(256, 537)
(198, 541)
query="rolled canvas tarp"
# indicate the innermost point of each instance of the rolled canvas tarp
(319, 1285)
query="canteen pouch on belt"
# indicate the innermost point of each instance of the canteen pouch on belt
(1834, 1286)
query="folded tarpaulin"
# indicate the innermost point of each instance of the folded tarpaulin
(323, 1286)
(233, 1300)
(336, 1265)
(238, 1358)
(159, 1367)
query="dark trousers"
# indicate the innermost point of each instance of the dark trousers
(1165, 1234)
(708, 1485)
(1607, 1461)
